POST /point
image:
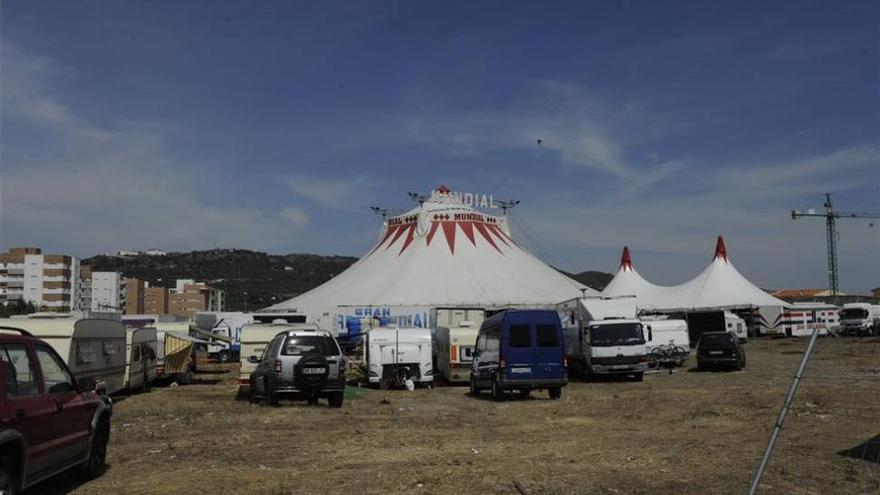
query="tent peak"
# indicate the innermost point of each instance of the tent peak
(625, 260)
(720, 249)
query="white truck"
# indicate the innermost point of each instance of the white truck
(223, 332)
(603, 336)
(860, 319)
(395, 355)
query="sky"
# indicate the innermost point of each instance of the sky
(274, 126)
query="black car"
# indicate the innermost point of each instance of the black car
(720, 349)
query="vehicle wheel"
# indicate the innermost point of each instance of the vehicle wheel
(384, 384)
(475, 390)
(223, 357)
(555, 392)
(8, 481)
(98, 451)
(269, 398)
(639, 376)
(335, 399)
(497, 391)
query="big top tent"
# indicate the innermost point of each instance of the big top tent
(443, 253)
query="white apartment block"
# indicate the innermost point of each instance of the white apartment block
(49, 281)
(108, 292)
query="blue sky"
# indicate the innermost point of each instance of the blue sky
(192, 125)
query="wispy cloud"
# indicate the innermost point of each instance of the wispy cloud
(104, 187)
(331, 193)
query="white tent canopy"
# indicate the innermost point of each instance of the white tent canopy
(719, 286)
(442, 253)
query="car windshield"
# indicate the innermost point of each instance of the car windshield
(616, 334)
(853, 314)
(297, 346)
(715, 339)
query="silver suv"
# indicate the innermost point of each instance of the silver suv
(300, 363)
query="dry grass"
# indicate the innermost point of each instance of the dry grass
(685, 433)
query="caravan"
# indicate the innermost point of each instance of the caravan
(92, 348)
(455, 351)
(396, 355)
(140, 358)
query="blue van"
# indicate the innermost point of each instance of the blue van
(520, 350)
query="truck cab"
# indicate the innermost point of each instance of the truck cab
(604, 337)
(860, 319)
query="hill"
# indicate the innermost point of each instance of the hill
(266, 278)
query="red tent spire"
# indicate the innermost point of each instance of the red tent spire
(720, 249)
(443, 189)
(625, 260)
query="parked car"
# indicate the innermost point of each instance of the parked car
(720, 349)
(300, 363)
(520, 350)
(52, 422)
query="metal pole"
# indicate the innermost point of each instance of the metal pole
(832, 244)
(778, 426)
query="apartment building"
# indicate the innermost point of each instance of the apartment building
(49, 281)
(155, 301)
(108, 292)
(134, 296)
(188, 298)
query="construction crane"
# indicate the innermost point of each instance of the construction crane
(831, 217)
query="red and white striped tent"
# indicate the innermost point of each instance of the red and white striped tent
(443, 253)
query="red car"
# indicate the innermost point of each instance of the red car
(52, 422)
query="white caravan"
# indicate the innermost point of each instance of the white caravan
(603, 336)
(663, 334)
(92, 348)
(254, 338)
(140, 358)
(860, 319)
(455, 351)
(394, 355)
(736, 325)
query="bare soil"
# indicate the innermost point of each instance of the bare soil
(687, 432)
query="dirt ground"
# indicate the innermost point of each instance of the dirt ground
(687, 432)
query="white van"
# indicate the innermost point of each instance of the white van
(455, 351)
(141, 355)
(92, 348)
(397, 354)
(254, 338)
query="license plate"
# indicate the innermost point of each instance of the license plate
(716, 353)
(313, 371)
(520, 370)
(619, 366)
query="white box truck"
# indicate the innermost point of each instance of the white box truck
(395, 355)
(603, 336)
(860, 319)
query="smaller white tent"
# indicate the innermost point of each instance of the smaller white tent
(720, 286)
(628, 282)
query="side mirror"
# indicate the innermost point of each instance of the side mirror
(253, 359)
(86, 385)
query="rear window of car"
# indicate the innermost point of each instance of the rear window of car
(297, 346)
(547, 336)
(520, 335)
(716, 339)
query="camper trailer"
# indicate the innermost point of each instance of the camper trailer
(667, 340)
(174, 356)
(254, 338)
(454, 351)
(395, 355)
(92, 348)
(716, 321)
(140, 358)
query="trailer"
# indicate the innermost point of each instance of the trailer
(92, 348)
(395, 355)
(715, 321)
(801, 318)
(254, 338)
(174, 360)
(140, 358)
(454, 351)
(667, 341)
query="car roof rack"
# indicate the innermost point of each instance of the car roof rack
(19, 330)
